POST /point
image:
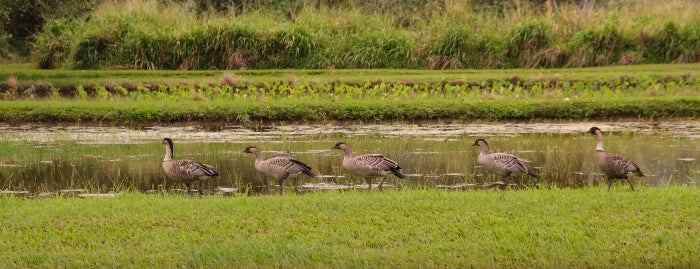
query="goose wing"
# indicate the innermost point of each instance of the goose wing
(622, 164)
(377, 162)
(509, 162)
(196, 169)
(287, 165)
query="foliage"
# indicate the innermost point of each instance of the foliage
(661, 91)
(597, 46)
(20, 20)
(145, 110)
(54, 44)
(441, 35)
(672, 43)
(4, 45)
(526, 44)
(288, 47)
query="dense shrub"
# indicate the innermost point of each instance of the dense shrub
(148, 35)
(461, 47)
(53, 45)
(672, 44)
(597, 46)
(287, 48)
(527, 45)
(20, 20)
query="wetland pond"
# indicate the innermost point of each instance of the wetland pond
(40, 159)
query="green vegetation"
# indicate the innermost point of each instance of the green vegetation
(24, 75)
(589, 227)
(452, 34)
(246, 111)
(110, 97)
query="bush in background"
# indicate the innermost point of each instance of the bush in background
(346, 34)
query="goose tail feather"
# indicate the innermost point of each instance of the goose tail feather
(397, 173)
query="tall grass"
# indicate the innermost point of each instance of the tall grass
(152, 35)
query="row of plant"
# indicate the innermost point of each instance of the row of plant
(239, 89)
(251, 111)
(148, 35)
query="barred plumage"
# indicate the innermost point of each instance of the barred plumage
(186, 171)
(614, 166)
(503, 164)
(278, 167)
(369, 166)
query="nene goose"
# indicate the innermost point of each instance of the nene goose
(614, 166)
(503, 164)
(187, 171)
(369, 166)
(279, 167)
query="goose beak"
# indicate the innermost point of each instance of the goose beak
(475, 144)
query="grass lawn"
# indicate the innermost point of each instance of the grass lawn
(416, 228)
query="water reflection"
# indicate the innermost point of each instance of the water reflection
(101, 159)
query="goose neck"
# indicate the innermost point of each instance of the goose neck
(168, 152)
(484, 149)
(258, 156)
(599, 145)
(347, 153)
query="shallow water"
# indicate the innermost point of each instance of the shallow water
(100, 159)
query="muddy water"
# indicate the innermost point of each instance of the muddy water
(39, 158)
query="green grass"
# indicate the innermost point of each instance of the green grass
(252, 112)
(589, 227)
(27, 74)
(126, 97)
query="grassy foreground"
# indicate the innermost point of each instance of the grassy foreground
(563, 228)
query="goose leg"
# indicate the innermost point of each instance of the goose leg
(280, 183)
(369, 183)
(189, 188)
(381, 185)
(609, 183)
(504, 180)
(200, 190)
(266, 189)
(295, 185)
(631, 185)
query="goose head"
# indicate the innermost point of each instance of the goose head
(167, 141)
(480, 142)
(340, 146)
(251, 149)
